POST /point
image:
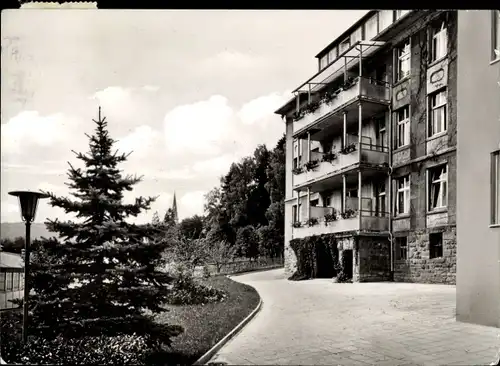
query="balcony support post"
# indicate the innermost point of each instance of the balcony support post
(360, 60)
(308, 203)
(360, 196)
(344, 131)
(344, 192)
(298, 206)
(297, 103)
(308, 146)
(345, 69)
(360, 126)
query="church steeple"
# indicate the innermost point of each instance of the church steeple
(174, 209)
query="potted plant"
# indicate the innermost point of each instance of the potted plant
(329, 217)
(297, 170)
(348, 213)
(310, 165)
(312, 221)
(298, 115)
(296, 224)
(348, 149)
(329, 157)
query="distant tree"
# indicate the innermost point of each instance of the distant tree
(169, 218)
(219, 253)
(156, 219)
(191, 227)
(101, 276)
(15, 245)
(247, 242)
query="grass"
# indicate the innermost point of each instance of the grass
(205, 325)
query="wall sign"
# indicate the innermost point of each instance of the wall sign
(437, 76)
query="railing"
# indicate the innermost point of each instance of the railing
(370, 153)
(320, 212)
(367, 88)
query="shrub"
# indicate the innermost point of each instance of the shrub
(310, 165)
(102, 350)
(342, 276)
(348, 213)
(329, 217)
(312, 221)
(187, 291)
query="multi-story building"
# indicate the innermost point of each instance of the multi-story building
(371, 141)
(478, 170)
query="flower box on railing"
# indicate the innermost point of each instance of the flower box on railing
(330, 217)
(297, 224)
(310, 165)
(348, 213)
(348, 149)
(312, 221)
(329, 157)
(297, 170)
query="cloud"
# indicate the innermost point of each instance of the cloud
(214, 166)
(140, 141)
(10, 212)
(191, 204)
(262, 107)
(199, 127)
(232, 61)
(151, 88)
(30, 128)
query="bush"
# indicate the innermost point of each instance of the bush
(125, 349)
(187, 291)
(342, 276)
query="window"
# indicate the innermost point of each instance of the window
(332, 55)
(295, 214)
(403, 195)
(371, 28)
(344, 46)
(380, 209)
(401, 13)
(401, 248)
(352, 192)
(385, 19)
(437, 120)
(15, 281)
(435, 245)
(438, 181)
(2, 281)
(495, 188)
(381, 134)
(314, 203)
(403, 61)
(495, 34)
(403, 126)
(323, 62)
(357, 35)
(9, 281)
(439, 42)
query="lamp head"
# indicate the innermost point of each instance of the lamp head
(28, 201)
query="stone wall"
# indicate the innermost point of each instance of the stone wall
(372, 261)
(290, 260)
(419, 267)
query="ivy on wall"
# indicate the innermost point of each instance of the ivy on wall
(317, 257)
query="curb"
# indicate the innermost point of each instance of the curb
(211, 352)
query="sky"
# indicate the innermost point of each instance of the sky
(189, 92)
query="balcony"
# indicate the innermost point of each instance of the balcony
(376, 93)
(340, 162)
(370, 220)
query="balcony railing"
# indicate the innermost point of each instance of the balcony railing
(371, 220)
(366, 88)
(323, 164)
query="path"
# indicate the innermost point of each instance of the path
(320, 322)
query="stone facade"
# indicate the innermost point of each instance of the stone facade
(372, 259)
(419, 267)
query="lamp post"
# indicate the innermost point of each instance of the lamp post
(28, 202)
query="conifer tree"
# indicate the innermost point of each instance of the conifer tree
(102, 275)
(156, 219)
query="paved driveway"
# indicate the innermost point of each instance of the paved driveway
(318, 322)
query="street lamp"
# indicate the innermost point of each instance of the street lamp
(28, 202)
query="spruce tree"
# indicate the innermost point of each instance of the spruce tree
(101, 277)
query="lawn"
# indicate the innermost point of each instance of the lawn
(205, 325)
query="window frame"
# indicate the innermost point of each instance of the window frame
(398, 14)
(443, 106)
(380, 198)
(436, 246)
(432, 182)
(3, 281)
(381, 18)
(436, 33)
(495, 189)
(323, 62)
(495, 35)
(399, 247)
(403, 122)
(9, 284)
(374, 20)
(404, 190)
(403, 54)
(347, 41)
